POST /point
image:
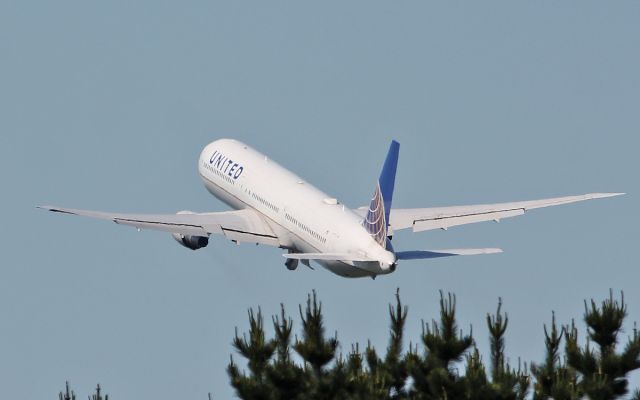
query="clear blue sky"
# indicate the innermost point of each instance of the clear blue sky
(106, 105)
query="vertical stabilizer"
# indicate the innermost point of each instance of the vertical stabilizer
(377, 219)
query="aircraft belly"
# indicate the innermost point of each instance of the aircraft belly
(344, 269)
(337, 267)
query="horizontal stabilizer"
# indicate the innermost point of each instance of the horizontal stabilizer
(424, 254)
(327, 257)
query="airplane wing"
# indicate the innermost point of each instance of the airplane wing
(240, 226)
(423, 219)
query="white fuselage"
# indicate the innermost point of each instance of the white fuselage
(305, 219)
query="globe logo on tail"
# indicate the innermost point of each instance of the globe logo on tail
(375, 223)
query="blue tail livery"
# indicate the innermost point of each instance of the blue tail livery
(376, 221)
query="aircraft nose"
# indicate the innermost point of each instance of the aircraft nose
(201, 159)
(206, 151)
(205, 154)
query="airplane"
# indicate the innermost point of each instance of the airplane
(273, 206)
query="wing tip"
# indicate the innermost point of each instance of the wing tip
(603, 195)
(493, 251)
(56, 210)
(48, 208)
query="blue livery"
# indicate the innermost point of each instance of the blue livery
(377, 220)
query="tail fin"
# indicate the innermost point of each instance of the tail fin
(377, 219)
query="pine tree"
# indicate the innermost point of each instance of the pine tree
(389, 376)
(67, 395)
(287, 378)
(349, 379)
(434, 374)
(602, 371)
(507, 383)
(98, 395)
(477, 385)
(257, 350)
(596, 372)
(316, 350)
(554, 379)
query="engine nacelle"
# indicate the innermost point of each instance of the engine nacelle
(291, 264)
(190, 241)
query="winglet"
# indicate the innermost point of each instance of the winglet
(377, 219)
(55, 210)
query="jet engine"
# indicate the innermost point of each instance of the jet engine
(190, 241)
(291, 264)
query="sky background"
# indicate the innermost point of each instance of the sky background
(106, 105)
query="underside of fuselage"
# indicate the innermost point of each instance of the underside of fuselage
(348, 271)
(358, 269)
